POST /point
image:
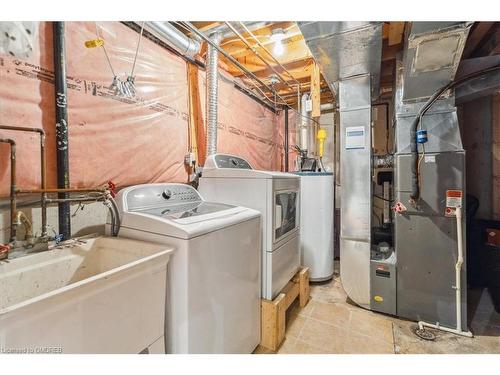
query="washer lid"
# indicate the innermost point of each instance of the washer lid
(185, 210)
(182, 226)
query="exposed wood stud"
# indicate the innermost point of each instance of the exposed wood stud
(475, 37)
(396, 30)
(315, 90)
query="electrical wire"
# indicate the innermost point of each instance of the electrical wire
(384, 199)
(104, 49)
(137, 49)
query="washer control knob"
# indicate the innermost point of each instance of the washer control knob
(167, 194)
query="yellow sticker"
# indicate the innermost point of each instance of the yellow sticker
(378, 298)
(94, 43)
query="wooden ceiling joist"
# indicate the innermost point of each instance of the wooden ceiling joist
(297, 59)
(478, 32)
(396, 30)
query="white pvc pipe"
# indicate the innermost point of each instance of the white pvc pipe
(458, 284)
(458, 268)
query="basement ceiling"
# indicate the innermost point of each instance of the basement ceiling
(296, 63)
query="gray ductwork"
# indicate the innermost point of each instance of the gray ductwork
(212, 63)
(326, 107)
(169, 34)
(349, 56)
(430, 61)
(432, 56)
(345, 49)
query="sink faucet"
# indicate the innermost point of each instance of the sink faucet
(21, 218)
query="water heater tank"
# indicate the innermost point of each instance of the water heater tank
(316, 223)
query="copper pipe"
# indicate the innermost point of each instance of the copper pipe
(42, 168)
(77, 199)
(13, 203)
(62, 190)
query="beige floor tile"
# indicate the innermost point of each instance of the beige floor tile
(302, 311)
(302, 347)
(371, 324)
(333, 313)
(329, 323)
(322, 335)
(294, 325)
(323, 294)
(288, 346)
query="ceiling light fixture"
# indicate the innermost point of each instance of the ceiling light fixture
(277, 37)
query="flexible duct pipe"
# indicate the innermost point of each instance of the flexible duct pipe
(169, 34)
(212, 63)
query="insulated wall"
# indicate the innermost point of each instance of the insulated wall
(129, 141)
(245, 127)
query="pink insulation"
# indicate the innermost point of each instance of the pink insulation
(129, 141)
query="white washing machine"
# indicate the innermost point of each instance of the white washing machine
(231, 180)
(213, 294)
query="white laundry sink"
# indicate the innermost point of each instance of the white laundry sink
(106, 295)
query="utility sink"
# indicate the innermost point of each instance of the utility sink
(96, 295)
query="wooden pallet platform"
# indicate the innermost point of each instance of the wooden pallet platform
(273, 313)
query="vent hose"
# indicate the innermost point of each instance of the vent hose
(212, 63)
(415, 182)
(114, 214)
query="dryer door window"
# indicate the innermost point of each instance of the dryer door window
(285, 213)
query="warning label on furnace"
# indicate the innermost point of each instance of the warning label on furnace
(453, 198)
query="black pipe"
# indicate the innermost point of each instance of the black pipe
(286, 139)
(415, 179)
(61, 88)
